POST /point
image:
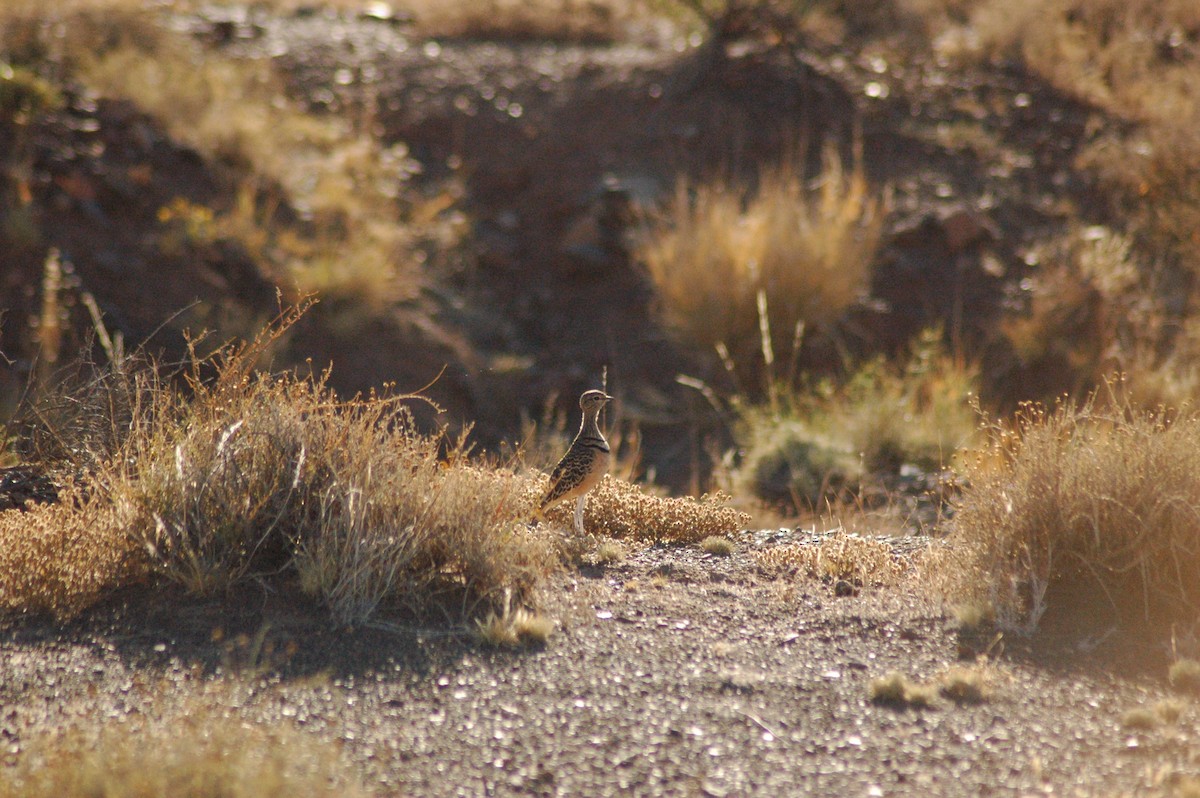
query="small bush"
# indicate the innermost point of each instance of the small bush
(965, 685)
(1169, 710)
(841, 555)
(803, 448)
(62, 558)
(622, 510)
(610, 551)
(971, 617)
(245, 474)
(1075, 499)
(789, 463)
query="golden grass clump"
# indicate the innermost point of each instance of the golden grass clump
(806, 248)
(610, 552)
(1074, 502)
(203, 753)
(719, 545)
(622, 510)
(841, 555)
(966, 685)
(62, 558)
(1169, 710)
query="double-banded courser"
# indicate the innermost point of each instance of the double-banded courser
(584, 463)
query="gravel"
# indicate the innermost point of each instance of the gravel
(673, 672)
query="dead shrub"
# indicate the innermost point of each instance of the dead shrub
(62, 558)
(1074, 499)
(622, 510)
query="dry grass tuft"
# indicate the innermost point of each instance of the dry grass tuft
(966, 685)
(718, 545)
(897, 690)
(514, 628)
(1184, 675)
(1078, 499)
(202, 753)
(1169, 710)
(807, 249)
(610, 551)
(971, 616)
(1140, 719)
(622, 510)
(841, 555)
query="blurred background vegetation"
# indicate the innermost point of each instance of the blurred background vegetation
(811, 243)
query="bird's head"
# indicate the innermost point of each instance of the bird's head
(593, 400)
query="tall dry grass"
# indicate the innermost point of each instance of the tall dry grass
(804, 248)
(238, 473)
(1079, 502)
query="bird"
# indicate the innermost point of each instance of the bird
(585, 462)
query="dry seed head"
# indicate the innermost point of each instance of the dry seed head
(839, 556)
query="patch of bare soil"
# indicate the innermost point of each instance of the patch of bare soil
(673, 672)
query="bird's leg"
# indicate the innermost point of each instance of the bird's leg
(579, 514)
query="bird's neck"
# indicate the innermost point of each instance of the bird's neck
(589, 428)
